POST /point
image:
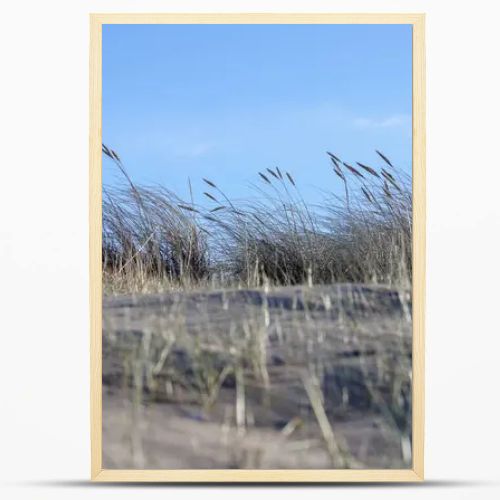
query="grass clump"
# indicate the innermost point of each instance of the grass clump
(150, 238)
(364, 236)
(153, 240)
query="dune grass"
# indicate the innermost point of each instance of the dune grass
(336, 355)
(154, 241)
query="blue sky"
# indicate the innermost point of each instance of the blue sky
(225, 101)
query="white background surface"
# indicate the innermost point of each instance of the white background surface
(44, 365)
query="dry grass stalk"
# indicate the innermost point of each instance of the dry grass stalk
(337, 456)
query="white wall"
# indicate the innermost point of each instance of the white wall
(43, 244)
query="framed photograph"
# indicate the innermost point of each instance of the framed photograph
(257, 247)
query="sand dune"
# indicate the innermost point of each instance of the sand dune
(250, 378)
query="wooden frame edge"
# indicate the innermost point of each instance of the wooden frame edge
(98, 474)
(419, 245)
(263, 476)
(257, 17)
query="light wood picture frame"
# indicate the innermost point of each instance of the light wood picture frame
(413, 474)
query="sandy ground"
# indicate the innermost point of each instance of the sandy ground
(350, 343)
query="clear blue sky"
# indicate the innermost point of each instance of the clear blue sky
(225, 101)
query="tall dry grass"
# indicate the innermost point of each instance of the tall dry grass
(339, 355)
(150, 238)
(153, 240)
